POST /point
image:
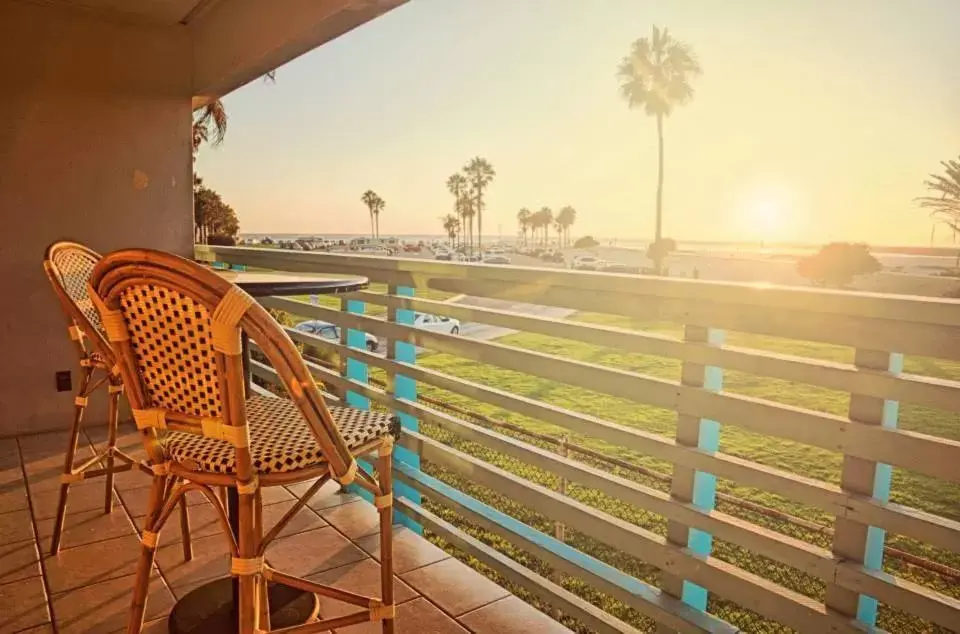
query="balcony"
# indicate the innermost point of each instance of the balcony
(567, 472)
(681, 455)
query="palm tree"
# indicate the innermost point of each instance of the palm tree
(656, 76)
(566, 218)
(944, 203)
(450, 225)
(457, 185)
(536, 223)
(210, 121)
(523, 217)
(546, 219)
(209, 124)
(370, 199)
(479, 174)
(378, 206)
(468, 212)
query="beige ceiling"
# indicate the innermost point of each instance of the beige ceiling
(166, 12)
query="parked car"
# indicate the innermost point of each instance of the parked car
(496, 259)
(587, 263)
(617, 267)
(443, 255)
(326, 330)
(471, 257)
(376, 250)
(552, 256)
(436, 323)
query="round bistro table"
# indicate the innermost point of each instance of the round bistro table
(213, 607)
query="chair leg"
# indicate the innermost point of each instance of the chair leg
(263, 596)
(385, 477)
(249, 594)
(113, 407)
(185, 530)
(80, 406)
(147, 551)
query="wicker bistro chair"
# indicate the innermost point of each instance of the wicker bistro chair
(68, 266)
(175, 328)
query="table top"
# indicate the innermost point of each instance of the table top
(264, 283)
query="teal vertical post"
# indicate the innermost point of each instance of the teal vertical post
(358, 371)
(355, 369)
(405, 387)
(882, 477)
(705, 484)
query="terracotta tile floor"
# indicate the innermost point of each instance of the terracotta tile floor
(86, 588)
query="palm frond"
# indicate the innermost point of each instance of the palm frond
(656, 74)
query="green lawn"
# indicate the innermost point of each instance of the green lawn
(908, 488)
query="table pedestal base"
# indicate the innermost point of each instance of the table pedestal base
(209, 609)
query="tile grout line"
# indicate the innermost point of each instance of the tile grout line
(36, 541)
(400, 577)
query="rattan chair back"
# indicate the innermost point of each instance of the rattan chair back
(68, 266)
(175, 328)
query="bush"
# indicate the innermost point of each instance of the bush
(586, 242)
(221, 240)
(837, 263)
(661, 249)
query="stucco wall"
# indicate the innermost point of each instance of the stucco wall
(94, 146)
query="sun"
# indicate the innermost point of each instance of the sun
(766, 212)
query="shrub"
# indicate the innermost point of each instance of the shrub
(837, 263)
(661, 249)
(586, 242)
(222, 240)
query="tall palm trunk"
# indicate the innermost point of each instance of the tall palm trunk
(377, 216)
(480, 220)
(658, 264)
(373, 232)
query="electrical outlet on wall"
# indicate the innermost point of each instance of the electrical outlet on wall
(64, 381)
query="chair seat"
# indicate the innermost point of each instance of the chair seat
(280, 440)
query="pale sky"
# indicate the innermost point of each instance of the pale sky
(814, 120)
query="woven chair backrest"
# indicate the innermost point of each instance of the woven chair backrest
(175, 328)
(68, 266)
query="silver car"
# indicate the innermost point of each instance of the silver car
(326, 330)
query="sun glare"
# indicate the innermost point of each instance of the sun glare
(767, 212)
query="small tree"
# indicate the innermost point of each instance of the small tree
(586, 242)
(660, 249)
(837, 263)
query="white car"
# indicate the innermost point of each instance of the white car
(326, 330)
(436, 323)
(375, 250)
(586, 263)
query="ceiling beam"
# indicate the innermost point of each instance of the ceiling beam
(238, 41)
